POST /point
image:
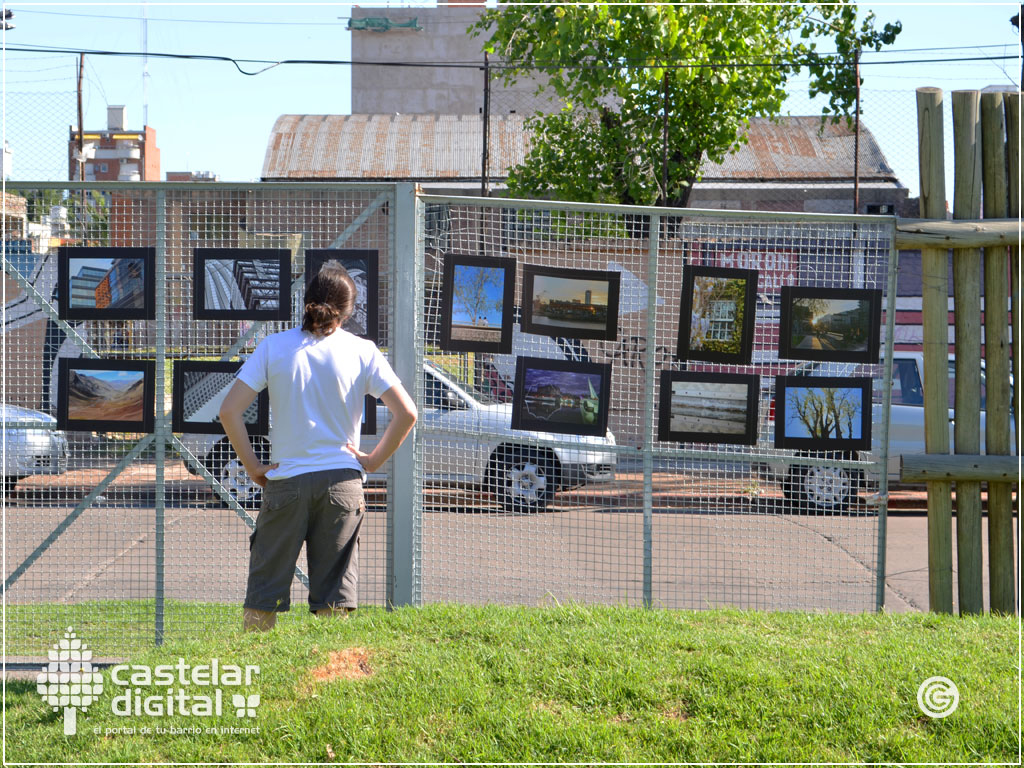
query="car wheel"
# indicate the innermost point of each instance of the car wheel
(822, 489)
(525, 479)
(225, 465)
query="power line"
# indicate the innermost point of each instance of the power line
(187, 21)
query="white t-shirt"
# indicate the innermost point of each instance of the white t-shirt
(317, 390)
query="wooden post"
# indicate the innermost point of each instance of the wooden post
(997, 357)
(967, 306)
(935, 317)
(1013, 160)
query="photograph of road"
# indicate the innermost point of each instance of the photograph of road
(824, 413)
(97, 395)
(717, 314)
(568, 303)
(562, 397)
(833, 325)
(241, 284)
(478, 303)
(107, 283)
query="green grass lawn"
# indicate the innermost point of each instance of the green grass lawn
(569, 684)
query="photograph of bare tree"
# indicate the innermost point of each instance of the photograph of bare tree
(716, 315)
(823, 413)
(476, 304)
(830, 324)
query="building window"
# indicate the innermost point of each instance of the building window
(723, 320)
(101, 167)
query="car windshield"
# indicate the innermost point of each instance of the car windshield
(461, 372)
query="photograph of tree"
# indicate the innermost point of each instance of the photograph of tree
(573, 303)
(363, 267)
(476, 304)
(561, 396)
(716, 319)
(702, 407)
(106, 395)
(106, 283)
(241, 284)
(199, 389)
(827, 413)
(837, 324)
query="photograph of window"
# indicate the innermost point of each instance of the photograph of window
(106, 283)
(561, 396)
(199, 389)
(716, 315)
(105, 395)
(241, 284)
(363, 267)
(476, 303)
(697, 407)
(823, 413)
(832, 324)
(572, 303)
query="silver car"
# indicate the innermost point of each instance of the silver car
(32, 445)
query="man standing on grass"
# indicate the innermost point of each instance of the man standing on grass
(317, 376)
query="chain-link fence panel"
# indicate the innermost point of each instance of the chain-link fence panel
(525, 500)
(139, 535)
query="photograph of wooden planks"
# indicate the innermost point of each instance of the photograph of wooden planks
(710, 407)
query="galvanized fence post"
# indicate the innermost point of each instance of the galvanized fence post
(160, 443)
(650, 395)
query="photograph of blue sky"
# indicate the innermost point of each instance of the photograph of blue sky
(547, 288)
(478, 295)
(568, 382)
(118, 379)
(806, 406)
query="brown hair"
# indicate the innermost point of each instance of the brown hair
(330, 299)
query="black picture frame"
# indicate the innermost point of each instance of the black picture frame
(368, 426)
(525, 412)
(185, 390)
(538, 280)
(254, 285)
(84, 416)
(460, 337)
(363, 265)
(130, 282)
(860, 326)
(739, 330)
(727, 393)
(787, 438)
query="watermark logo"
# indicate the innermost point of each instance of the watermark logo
(245, 706)
(938, 697)
(69, 681)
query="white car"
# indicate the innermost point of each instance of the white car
(832, 488)
(467, 441)
(39, 449)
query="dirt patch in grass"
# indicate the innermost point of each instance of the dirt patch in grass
(346, 664)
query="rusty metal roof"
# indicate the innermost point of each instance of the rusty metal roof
(432, 147)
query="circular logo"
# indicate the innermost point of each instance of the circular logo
(938, 697)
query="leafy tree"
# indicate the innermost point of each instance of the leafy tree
(607, 63)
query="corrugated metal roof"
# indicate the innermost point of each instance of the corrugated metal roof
(429, 147)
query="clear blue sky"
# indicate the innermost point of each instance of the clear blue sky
(208, 116)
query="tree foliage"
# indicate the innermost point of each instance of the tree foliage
(614, 67)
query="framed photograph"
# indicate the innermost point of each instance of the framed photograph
(842, 325)
(823, 413)
(369, 423)
(199, 389)
(716, 315)
(561, 396)
(363, 267)
(573, 303)
(105, 395)
(708, 408)
(106, 283)
(477, 295)
(241, 284)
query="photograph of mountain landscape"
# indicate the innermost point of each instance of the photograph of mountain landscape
(573, 303)
(477, 293)
(106, 395)
(831, 324)
(106, 283)
(561, 396)
(362, 266)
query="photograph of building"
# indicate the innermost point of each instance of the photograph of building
(111, 283)
(242, 284)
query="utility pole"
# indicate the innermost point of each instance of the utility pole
(856, 134)
(81, 126)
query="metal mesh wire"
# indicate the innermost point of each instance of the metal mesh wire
(95, 545)
(679, 525)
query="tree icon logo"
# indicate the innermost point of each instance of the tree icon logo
(69, 680)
